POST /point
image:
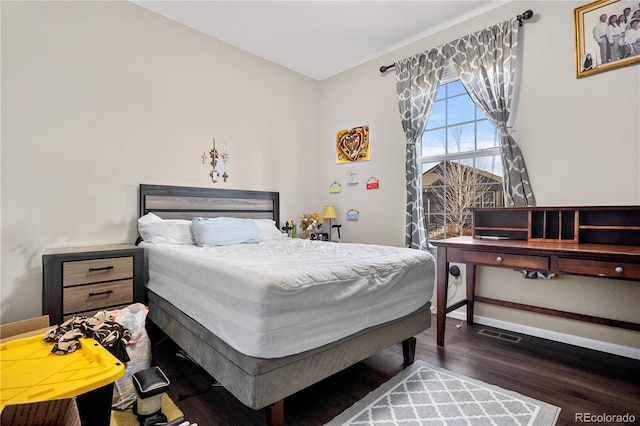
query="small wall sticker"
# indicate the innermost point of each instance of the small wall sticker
(334, 188)
(373, 183)
(353, 214)
(352, 177)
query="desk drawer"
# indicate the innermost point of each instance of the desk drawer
(518, 261)
(97, 296)
(599, 268)
(96, 270)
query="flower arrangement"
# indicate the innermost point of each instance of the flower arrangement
(311, 222)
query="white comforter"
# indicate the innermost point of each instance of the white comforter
(285, 296)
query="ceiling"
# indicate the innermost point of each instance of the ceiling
(319, 38)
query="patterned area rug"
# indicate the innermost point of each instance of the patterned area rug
(423, 394)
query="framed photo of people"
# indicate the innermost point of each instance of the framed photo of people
(607, 35)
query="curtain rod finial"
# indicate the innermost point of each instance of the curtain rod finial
(526, 15)
(386, 68)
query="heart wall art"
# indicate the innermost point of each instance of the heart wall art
(352, 145)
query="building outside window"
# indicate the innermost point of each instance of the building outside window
(461, 164)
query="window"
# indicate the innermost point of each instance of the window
(461, 164)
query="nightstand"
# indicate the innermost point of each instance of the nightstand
(85, 280)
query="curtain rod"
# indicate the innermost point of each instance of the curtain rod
(524, 17)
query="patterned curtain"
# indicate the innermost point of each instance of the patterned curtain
(486, 62)
(417, 81)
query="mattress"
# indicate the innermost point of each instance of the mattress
(285, 296)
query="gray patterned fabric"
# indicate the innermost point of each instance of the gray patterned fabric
(417, 81)
(424, 394)
(486, 61)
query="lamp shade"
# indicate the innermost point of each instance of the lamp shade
(329, 212)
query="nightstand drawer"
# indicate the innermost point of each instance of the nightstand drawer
(97, 296)
(519, 261)
(599, 268)
(96, 270)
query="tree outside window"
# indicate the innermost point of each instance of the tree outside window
(461, 163)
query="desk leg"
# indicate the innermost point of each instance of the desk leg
(471, 290)
(442, 276)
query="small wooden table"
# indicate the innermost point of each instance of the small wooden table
(598, 260)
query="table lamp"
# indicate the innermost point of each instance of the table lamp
(329, 213)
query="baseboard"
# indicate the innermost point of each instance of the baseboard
(582, 342)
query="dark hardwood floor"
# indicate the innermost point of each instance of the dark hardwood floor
(575, 379)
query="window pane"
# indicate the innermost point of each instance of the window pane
(458, 224)
(435, 227)
(491, 166)
(479, 114)
(489, 195)
(456, 88)
(460, 109)
(426, 167)
(442, 92)
(487, 135)
(460, 139)
(437, 116)
(433, 142)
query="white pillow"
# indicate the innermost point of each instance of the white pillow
(268, 228)
(221, 231)
(149, 218)
(154, 229)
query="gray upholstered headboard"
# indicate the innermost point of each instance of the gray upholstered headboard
(182, 202)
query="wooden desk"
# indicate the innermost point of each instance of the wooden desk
(598, 260)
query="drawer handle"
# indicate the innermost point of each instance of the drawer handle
(101, 293)
(104, 268)
(619, 270)
(499, 259)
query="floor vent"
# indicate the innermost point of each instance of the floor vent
(502, 336)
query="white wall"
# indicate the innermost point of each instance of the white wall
(580, 139)
(98, 97)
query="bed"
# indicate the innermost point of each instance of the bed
(237, 317)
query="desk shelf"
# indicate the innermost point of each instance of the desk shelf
(500, 223)
(554, 225)
(594, 225)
